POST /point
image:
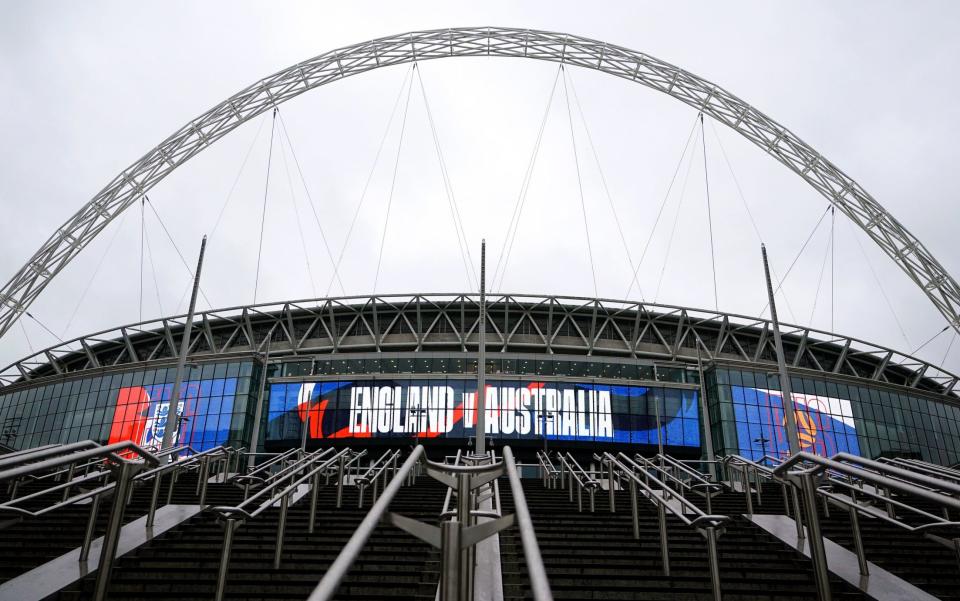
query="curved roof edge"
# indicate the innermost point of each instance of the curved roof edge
(516, 323)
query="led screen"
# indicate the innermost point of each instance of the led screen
(205, 412)
(825, 425)
(446, 408)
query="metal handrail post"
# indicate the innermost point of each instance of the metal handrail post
(798, 513)
(539, 584)
(818, 554)
(281, 529)
(462, 561)
(315, 485)
(230, 526)
(111, 537)
(173, 481)
(338, 569)
(611, 487)
(664, 549)
(91, 528)
(450, 586)
(152, 512)
(858, 541)
(340, 480)
(711, 534)
(66, 491)
(205, 479)
(634, 509)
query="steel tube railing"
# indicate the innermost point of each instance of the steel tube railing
(303, 471)
(539, 584)
(658, 492)
(341, 565)
(804, 469)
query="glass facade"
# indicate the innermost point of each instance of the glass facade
(746, 417)
(132, 405)
(417, 396)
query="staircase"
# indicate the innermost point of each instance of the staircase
(920, 561)
(46, 537)
(594, 556)
(182, 565)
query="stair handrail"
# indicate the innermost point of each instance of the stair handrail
(293, 475)
(337, 571)
(930, 469)
(23, 452)
(807, 472)
(664, 465)
(387, 462)
(254, 475)
(41, 453)
(46, 460)
(127, 468)
(738, 467)
(577, 475)
(539, 584)
(702, 481)
(312, 465)
(455, 536)
(446, 499)
(548, 472)
(708, 525)
(11, 504)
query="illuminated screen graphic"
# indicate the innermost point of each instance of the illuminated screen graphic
(441, 408)
(825, 425)
(205, 410)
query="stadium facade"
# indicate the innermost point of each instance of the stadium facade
(560, 373)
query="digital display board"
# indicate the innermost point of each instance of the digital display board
(825, 426)
(205, 410)
(447, 408)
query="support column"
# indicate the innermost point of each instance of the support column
(785, 393)
(480, 445)
(173, 421)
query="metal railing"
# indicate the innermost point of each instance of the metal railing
(456, 536)
(931, 469)
(573, 475)
(371, 478)
(280, 489)
(683, 479)
(549, 473)
(261, 474)
(748, 476)
(641, 479)
(858, 484)
(65, 455)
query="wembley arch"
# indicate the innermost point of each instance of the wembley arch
(191, 139)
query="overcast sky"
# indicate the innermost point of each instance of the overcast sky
(90, 87)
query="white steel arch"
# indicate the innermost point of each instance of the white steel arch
(837, 187)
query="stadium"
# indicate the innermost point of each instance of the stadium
(593, 411)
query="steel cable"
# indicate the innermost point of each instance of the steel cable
(507, 248)
(393, 185)
(366, 186)
(263, 214)
(462, 240)
(583, 206)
